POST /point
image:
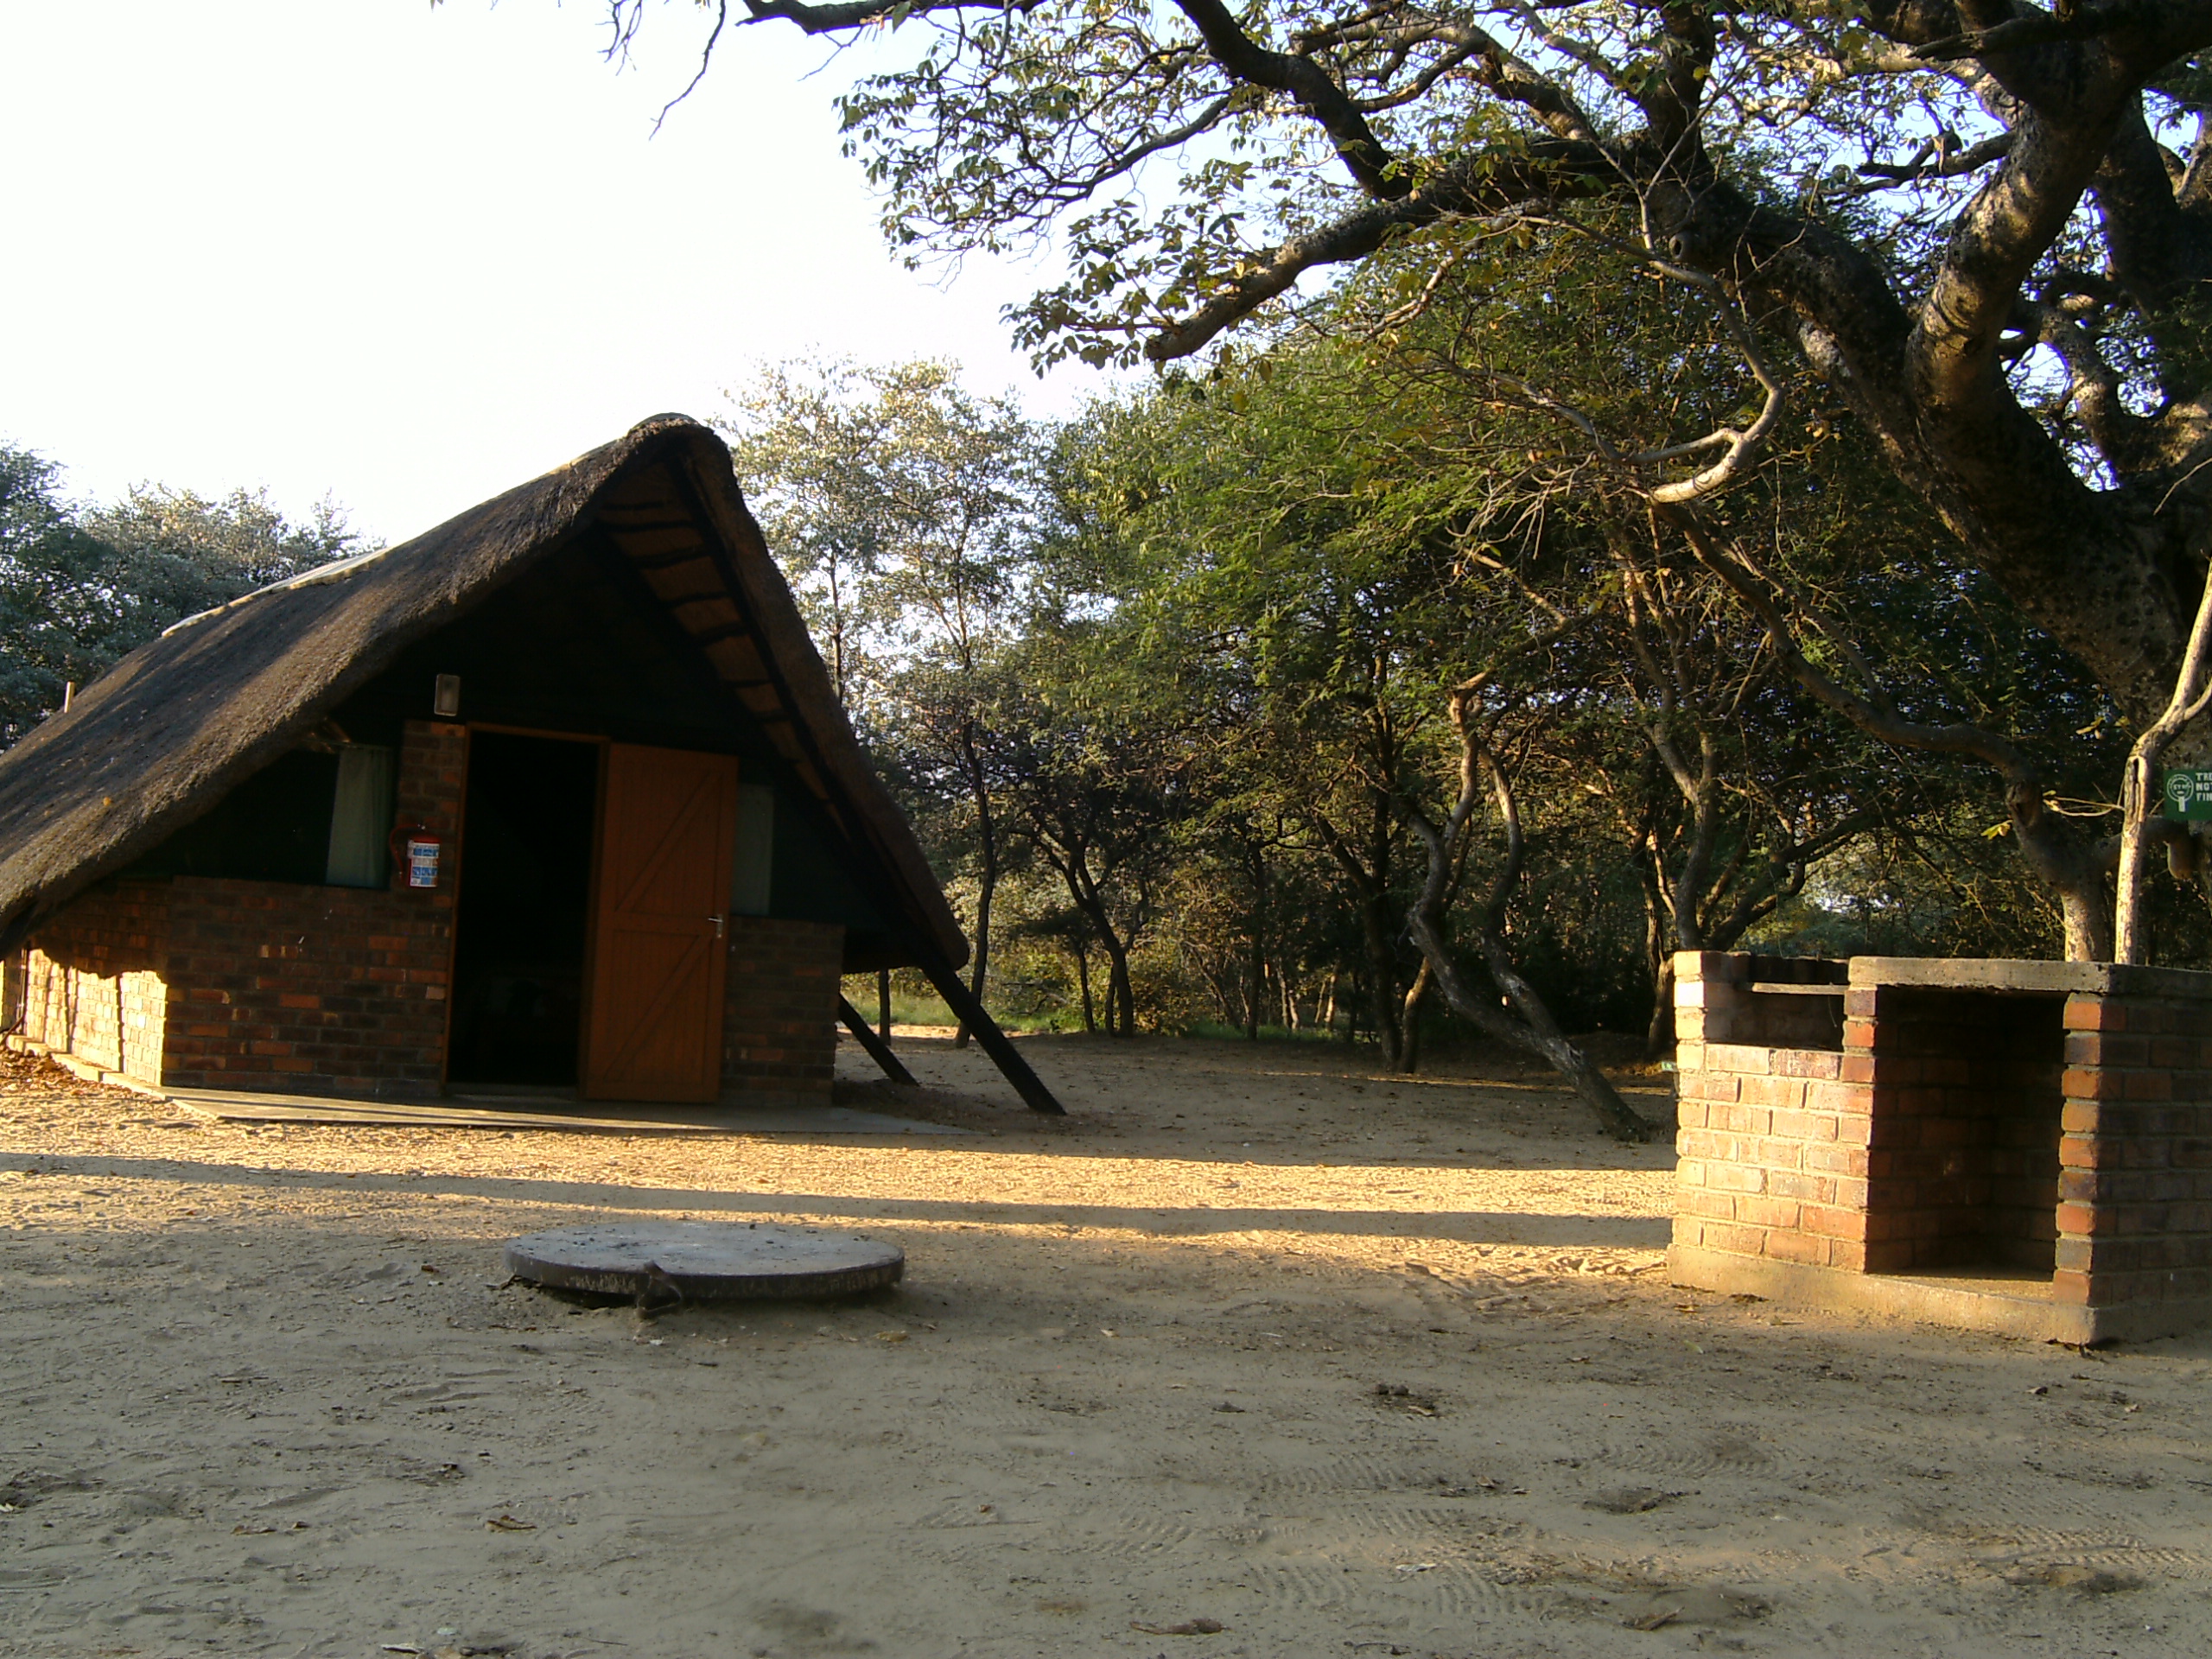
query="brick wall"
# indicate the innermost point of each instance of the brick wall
(203, 982)
(2049, 1117)
(1925, 1138)
(779, 1021)
(2134, 1217)
(309, 989)
(432, 783)
(91, 981)
(212, 983)
(318, 989)
(1772, 1142)
(1963, 1087)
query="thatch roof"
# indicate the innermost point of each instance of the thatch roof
(179, 723)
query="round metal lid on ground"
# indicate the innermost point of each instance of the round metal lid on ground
(704, 1260)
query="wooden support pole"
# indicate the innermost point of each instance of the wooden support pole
(883, 1003)
(970, 1014)
(878, 1050)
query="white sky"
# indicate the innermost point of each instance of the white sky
(410, 256)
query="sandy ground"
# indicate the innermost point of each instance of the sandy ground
(1342, 1364)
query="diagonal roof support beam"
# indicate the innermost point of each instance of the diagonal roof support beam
(878, 1050)
(1012, 1064)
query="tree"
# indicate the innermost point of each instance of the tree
(1094, 766)
(902, 507)
(1309, 625)
(80, 588)
(1862, 597)
(43, 561)
(1961, 214)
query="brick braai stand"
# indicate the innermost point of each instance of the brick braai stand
(2016, 1146)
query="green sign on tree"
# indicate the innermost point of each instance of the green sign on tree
(2188, 795)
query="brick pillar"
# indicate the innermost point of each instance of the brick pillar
(1876, 1063)
(1711, 990)
(779, 1021)
(432, 782)
(2135, 1151)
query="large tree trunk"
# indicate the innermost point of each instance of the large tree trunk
(2074, 870)
(1659, 1034)
(1533, 1031)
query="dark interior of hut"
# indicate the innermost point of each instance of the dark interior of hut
(519, 930)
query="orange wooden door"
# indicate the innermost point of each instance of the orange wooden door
(653, 1029)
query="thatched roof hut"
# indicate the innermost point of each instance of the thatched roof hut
(647, 538)
(175, 726)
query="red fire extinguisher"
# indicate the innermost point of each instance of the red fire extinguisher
(417, 848)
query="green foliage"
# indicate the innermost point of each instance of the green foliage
(1249, 595)
(80, 588)
(896, 502)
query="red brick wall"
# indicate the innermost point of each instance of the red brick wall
(306, 989)
(433, 781)
(314, 990)
(779, 1021)
(1926, 1139)
(2065, 1132)
(91, 981)
(1772, 1143)
(318, 989)
(203, 982)
(1963, 1086)
(2135, 1154)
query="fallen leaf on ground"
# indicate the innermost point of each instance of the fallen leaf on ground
(1188, 1627)
(508, 1524)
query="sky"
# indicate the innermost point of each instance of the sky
(406, 257)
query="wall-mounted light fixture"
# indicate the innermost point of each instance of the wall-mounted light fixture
(446, 701)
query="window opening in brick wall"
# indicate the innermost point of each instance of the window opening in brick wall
(1963, 1164)
(524, 903)
(273, 827)
(360, 818)
(753, 859)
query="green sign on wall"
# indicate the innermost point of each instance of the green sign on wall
(2188, 795)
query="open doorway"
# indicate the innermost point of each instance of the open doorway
(524, 912)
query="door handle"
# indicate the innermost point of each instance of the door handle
(717, 921)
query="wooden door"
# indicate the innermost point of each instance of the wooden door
(653, 1028)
